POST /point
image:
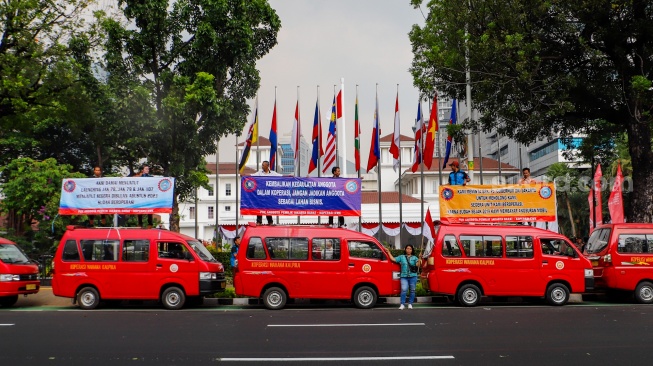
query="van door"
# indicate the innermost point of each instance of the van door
(101, 264)
(326, 268)
(175, 263)
(367, 262)
(560, 261)
(136, 269)
(522, 264)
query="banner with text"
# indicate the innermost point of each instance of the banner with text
(491, 203)
(119, 195)
(300, 196)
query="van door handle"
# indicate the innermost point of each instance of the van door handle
(545, 262)
(351, 264)
(159, 265)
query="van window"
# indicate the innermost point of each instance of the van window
(172, 250)
(556, 247)
(482, 246)
(598, 241)
(326, 249)
(364, 249)
(519, 246)
(450, 247)
(135, 250)
(255, 249)
(70, 251)
(287, 248)
(100, 250)
(635, 243)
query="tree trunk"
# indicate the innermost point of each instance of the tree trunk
(174, 216)
(639, 146)
(571, 217)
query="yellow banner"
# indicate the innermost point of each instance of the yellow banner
(493, 203)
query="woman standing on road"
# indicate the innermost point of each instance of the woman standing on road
(409, 265)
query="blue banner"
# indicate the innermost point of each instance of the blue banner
(300, 196)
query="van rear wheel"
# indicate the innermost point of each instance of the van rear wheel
(88, 298)
(644, 293)
(469, 295)
(8, 301)
(173, 298)
(557, 294)
(274, 298)
(365, 297)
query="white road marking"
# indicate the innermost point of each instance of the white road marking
(346, 325)
(314, 359)
(6, 325)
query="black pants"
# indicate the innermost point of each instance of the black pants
(259, 219)
(341, 220)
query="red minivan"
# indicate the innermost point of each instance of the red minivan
(18, 274)
(91, 265)
(622, 256)
(276, 263)
(471, 261)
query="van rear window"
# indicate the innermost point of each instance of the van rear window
(255, 249)
(287, 248)
(450, 247)
(70, 251)
(598, 241)
(519, 246)
(100, 250)
(635, 243)
(325, 249)
(482, 246)
(136, 250)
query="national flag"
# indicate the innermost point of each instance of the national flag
(429, 138)
(317, 139)
(375, 152)
(452, 121)
(616, 201)
(357, 138)
(273, 139)
(396, 138)
(251, 137)
(295, 135)
(330, 153)
(595, 195)
(418, 139)
(428, 229)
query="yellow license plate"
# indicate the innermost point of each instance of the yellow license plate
(595, 263)
(223, 284)
(30, 287)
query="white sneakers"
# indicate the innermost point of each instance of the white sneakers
(410, 306)
(402, 307)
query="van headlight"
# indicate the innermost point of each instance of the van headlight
(208, 276)
(9, 277)
(589, 273)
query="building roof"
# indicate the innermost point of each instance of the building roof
(386, 197)
(229, 168)
(388, 138)
(262, 141)
(488, 164)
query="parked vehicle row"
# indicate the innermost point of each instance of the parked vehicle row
(278, 263)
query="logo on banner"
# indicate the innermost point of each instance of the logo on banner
(165, 185)
(447, 194)
(249, 185)
(352, 186)
(545, 192)
(69, 186)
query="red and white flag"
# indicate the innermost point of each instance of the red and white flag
(429, 229)
(295, 135)
(596, 211)
(616, 201)
(396, 138)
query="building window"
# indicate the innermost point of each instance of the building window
(210, 212)
(504, 150)
(192, 213)
(227, 189)
(227, 208)
(211, 190)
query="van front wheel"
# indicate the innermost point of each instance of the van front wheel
(365, 297)
(274, 298)
(557, 294)
(644, 293)
(469, 295)
(88, 298)
(8, 301)
(173, 298)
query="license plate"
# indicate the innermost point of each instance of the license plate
(595, 263)
(30, 287)
(223, 284)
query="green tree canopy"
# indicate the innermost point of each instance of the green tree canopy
(543, 67)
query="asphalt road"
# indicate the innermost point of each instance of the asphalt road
(497, 334)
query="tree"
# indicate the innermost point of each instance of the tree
(539, 68)
(197, 59)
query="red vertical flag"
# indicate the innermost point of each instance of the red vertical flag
(429, 141)
(595, 195)
(616, 201)
(428, 228)
(396, 138)
(357, 138)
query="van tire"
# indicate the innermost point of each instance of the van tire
(557, 294)
(88, 298)
(173, 298)
(365, 297)
(644, 293)
(469, 295)
(8, 301)
(275, 298)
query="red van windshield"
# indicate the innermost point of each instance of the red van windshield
(598, 241)
(12, 254)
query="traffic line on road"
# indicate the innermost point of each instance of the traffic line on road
(347, 325)
(323, 359)
(7, 325)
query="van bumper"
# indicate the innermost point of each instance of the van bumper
(589, 283)
(19, 288)
(212, 286)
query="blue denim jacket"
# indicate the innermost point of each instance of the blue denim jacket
(403, 262)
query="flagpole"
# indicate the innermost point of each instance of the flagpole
(216, 190)
(439, 132)
(258, 135)
(480, 158)
(274, 168)
(299, 143)
(401, 208)
(358, 171)
(378, 162)
(421, 165)
(319, 142)
(342, 125)
(335, 97)
(237, 187)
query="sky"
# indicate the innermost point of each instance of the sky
(363, 41)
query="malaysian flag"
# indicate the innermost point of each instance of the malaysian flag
(330, 153)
